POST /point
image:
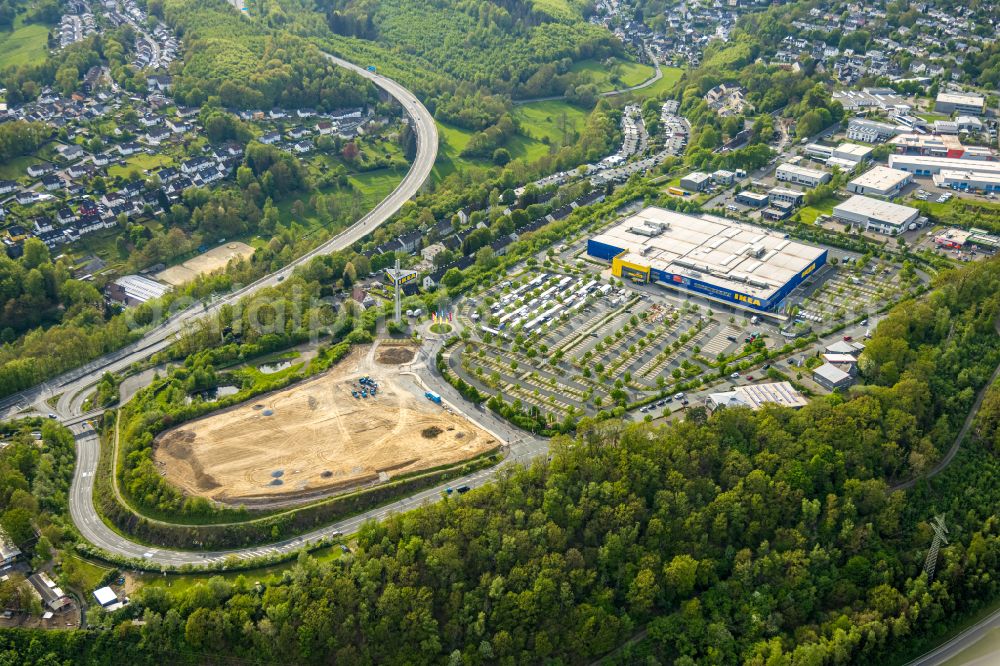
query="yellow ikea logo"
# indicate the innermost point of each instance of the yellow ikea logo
(746, 299)
(809, 270)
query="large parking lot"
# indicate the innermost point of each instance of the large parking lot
(568, 342)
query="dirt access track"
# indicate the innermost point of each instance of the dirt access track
(315, 438)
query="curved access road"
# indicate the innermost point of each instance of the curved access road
(963, 431)
(657, 75)
(522, 448)
(64, 390)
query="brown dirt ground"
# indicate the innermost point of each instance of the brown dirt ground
(211, 260)
(319, 437)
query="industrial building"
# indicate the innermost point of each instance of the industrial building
(872, 131)
(728, 261)
(748, 198)
(921, 165)
(785, 195)
(965, 104)
(875, 215)
(845, 156)
(969, 124)
(880, 181)
(723, 177)
(793, 173)
(136, 289)
(696, 181)
(756, 396)
(956, 239)
(831, 377)
(935, 145)
(968, 180)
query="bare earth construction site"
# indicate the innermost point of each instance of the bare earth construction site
(316, 438)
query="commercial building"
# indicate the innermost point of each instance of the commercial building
(875, 215)
(921, 165)
(793, 173)
(723, 177)
(968, 180)
(956, 239)
(831, 377)
(880, 181)
(969, 124)
(696, 181)
(845, 156)
(135, 289)
(785, 195)
(756, 396)
(965, 104)
(721, 259)
(934, 145)
(872, 131)
(748, 198)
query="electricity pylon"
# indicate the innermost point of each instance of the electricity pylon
(940, 535)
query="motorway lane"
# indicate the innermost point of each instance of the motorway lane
(962, 642)
(160, 337)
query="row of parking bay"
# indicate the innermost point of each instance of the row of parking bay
(859, 293)
(650, 341)
(558, 389)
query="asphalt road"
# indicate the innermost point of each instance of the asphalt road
(522, 447)
(69, 385)
(960, 643)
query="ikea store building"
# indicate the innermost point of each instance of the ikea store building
(729, 261)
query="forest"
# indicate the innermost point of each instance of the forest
(248, 66)
(769, 537)
(35, 473)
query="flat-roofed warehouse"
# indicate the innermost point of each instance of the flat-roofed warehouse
(883, 217)
(964, 104)
(880, 181)
(729, 261)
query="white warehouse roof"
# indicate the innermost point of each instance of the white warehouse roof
(881, 178)
(875, 209)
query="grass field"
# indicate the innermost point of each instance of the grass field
(24, 44)
(376, 185)
(541, 119)
(629, 73)
(808, 214)
(15, 167)
(454, 139)
(671, 75)
(141, 162)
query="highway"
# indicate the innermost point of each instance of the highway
(962, 642)
(69, 385)
(68, 390)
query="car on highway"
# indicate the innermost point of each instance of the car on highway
(464, 489)
(52, 416)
